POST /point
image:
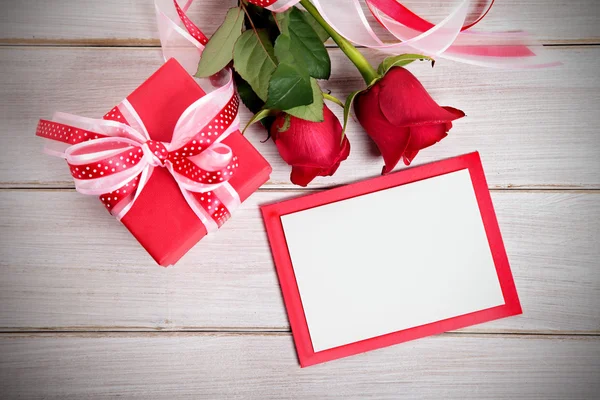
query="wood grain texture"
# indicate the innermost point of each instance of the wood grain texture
(203, 366)
(89, 22)
(67, 265)
(534, 129)
(114, 22)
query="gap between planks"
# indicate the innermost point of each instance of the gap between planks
(155, 43)
(277, 188)
(109, 44)
(253, 333)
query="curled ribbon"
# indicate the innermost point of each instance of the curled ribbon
(451, 38)
(114, 157)
(180, 38)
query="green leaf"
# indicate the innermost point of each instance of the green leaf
(319, 30)
(401, 61)
(261, 19)
(219, 49)
(251, 99)
(289, 87)
(283, 44)
(262, 114)
(254, 60)
(248, 96)
(347, 108)
(314, 111)
(299, 44)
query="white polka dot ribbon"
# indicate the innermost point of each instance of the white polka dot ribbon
(114, 157)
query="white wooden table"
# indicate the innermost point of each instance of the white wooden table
(85, 313)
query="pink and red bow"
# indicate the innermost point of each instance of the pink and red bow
(114, 157)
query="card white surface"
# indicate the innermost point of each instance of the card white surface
(391, 260)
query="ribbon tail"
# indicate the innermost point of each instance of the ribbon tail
(510, 50)
(434, 41)
(196, 206)
(406, 17)
(213, 208)
(349, 22)
(449, 39)
(176, 41)
(123, 207)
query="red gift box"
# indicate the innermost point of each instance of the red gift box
(160, 218)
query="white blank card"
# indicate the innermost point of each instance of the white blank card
(391, 260)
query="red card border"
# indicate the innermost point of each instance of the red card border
(272, 217)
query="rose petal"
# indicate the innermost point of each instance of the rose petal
(390, 140)
(302, 176)
(309, 144)
(405, 102)
(422, 137)
(311, 148)
(401, 117)
(457, 113)
(342, 157)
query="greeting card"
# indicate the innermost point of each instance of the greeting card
(390, 259)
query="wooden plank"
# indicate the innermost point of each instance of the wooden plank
(534, 129)
(67, 265)
(221, 366)
(88, 22)
(114, 22)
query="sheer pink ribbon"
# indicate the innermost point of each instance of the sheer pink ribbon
(449, 39)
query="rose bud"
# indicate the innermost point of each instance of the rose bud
(311, 148)
(401, 117)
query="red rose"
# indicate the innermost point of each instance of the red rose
(401, 117)
(311, 148)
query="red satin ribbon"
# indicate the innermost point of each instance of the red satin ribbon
(411, 20)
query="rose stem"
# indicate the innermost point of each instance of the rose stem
(366, 70)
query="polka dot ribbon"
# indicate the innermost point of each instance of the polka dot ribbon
(275, 5)
(189, 25)
(114, 161)
(263, 3)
